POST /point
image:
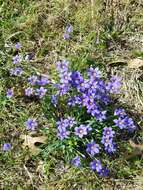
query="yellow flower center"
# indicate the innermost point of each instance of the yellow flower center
(107, 140)
(93, 147)
(81, 131)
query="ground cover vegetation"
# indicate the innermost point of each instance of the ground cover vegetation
(71, 95)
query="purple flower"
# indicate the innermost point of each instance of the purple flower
(94, 73)
(76, 78)
(29, 91)
(101, 116)
(74, 100)
(122, 122)
(64, 85)
(18, 45)
(114, 85)
(64, 123)
(71, 121)
(66, 36)
(43, 81)
(62, 66)
(16, 72)
(31, 124)
(111, 148)
(63, 89)
(33, 79)
(104, 172)
(69, 28)
(82, 130)
(10, 93)
(130, 121)
(96, 165)
(76, 161)
(96, 112)
(106, 140)
(92, 148)
(6, 146)
(132, 128)
(108, 132)
(94, 86)
(41, 92)
(65, 77)
(120, 112)
(130, 124)
(62, 129)
(62, 134)
(88, 128)
(102, 87)
(54, 99)
(83, 86)
(105, 99)
(16, 59)
(88, 101)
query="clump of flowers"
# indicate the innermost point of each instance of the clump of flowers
(87, 124)
(92, 125)
(37, 86)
